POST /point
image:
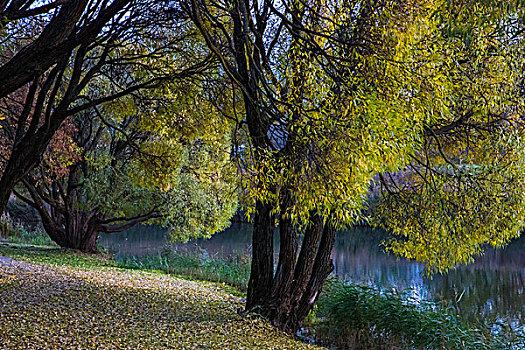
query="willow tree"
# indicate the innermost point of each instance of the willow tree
(335, 92)
(463, 187)
(129, 164)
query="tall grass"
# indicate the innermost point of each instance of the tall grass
(357, 317)
(234, 271)
(16, 232)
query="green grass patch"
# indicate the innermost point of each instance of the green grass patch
(234, 272)
(56, 256)
(232, 278)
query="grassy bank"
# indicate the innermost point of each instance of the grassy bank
(198, 265)
(351, 316)
(54, 299)
(345, 316)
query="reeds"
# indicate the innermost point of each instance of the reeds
(358, 317)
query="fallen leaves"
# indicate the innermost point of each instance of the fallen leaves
(58, 307)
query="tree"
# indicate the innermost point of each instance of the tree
(463, 188)
(55, 51)
(133, 169)
(63, 27)
(142, 157)
(333, 93)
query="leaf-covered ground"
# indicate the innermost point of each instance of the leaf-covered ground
(64, 301)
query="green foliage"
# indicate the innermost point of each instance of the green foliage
(148, 147)
(462, 189)
(199, 265)
(374, 113)
(341, 133)
(178, 145)
(180, 170)
(426, 93)
(351, 316)
(450, 214)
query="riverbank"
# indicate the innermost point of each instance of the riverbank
(54, 299)
(346, 316)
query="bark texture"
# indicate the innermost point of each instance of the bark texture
(287, 295)
(299, 276)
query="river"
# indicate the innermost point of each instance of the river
(491, 288)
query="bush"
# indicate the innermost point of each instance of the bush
(16, 232)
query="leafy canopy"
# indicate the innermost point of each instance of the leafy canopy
(433, 99)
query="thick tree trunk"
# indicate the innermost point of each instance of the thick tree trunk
(286, 298)
(66, 226)
(76, 230)
(84, 241)
(261, 276)
(322, 268)
(57, 42)
(283, 279)
(299, 278)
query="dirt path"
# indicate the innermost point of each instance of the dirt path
(48, 307)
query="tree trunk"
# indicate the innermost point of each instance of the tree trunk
(287, 298)
(84, 241)
(66, 226)
(322, 268)
(24, 157)
(19, 164)
(261, 276)
(75, 230)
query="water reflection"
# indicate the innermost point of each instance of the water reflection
(491, 287)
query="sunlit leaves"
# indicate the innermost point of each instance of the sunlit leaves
(429, 95)
(179, 167)
(447, 214)
(351, 113)
(463, 188)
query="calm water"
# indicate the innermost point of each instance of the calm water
(490, 288)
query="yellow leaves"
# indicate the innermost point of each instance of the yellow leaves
(446, 217)
(154, 311)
